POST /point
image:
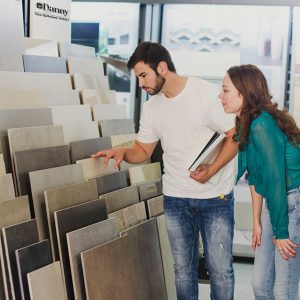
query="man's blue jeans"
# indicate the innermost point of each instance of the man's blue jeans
(214, 219)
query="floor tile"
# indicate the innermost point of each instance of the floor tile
(44, 64)
(116, 127)
(108, 111)
(143, 173)
(85, 66)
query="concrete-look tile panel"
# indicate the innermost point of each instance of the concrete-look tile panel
(47, 283)
(82, 240)
(70, 219)
(109, 111)
(145, 249)
(46, 179)
(68, 49)
(122, 198)
(7, 190)
(64, 197)
(16, 237)
(71, 113)
(109, 271)
(40, 47)
(116, 127)
(94, 167)
(31, 258)
(150, 189)
(85, 81)
(2, 165)
(103, 96)
(11, 62)
(85, 66)
(85, 148)
(59, 97)
(44, 64)
(155, 206)
(130, 216)
(167, 258)
(143, 173)
(123, 140)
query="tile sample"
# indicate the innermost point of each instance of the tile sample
(148, 172)
(104, 96)
(40, 47)
(145, 250)
(7, 190)
(11, 62)
(71, 113)
(150, 189)
(84, 239)
(68, 49)
(123, 140)
(47, 283)
(16, 237)
(31, 258)
(44, 64)
(46, 179)
(167, 258)
(121, 198)
(2, 165)
(85, 148)
(116, 127)
(109, 111)
(70, 219)
(38, 159)
(85, 66)
(155, 206)
(94, 167)
(64, 197)
(85, 81)
(117, 282)
(59, 97)
(111, 182)
(129, 216)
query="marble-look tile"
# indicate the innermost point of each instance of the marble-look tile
(150, 189)
(31, 81)
(68, 49)
(123, 140)
(47, 283)
(31, 258)
(122, 198)
(85, 66)
(47, 179)
(155, 206)
(16, 237)
(85, 81)
(103, 96)
(2, 165)
(85, 148)
(44, 64)
(109, 111)
(116, 127)
(64, 197)
(40, 47)
(94, 167)
(111, 182)
(145, 250)
(7, 190)
(71, 113)
(167, 258)
(38, 159)
(143, 173)
(84, 239)
(117, 282)
(72, 218)
(11, 62)
(129, 216)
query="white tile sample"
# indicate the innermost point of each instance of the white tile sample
(109, 111)
(44, 64)
(104, 96)
(85, 66)
(7, 190)
(85, 81)
(68, 49)
(143, 173)
(71, 113)
(40, 47)
(11, 62)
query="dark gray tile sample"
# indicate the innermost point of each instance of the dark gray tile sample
(44, 64)
(111, 182)
(145, 249)
(38, 159)
(150, 189)
(85, 148)
(16, 237)
(155, 206)
(117, 281)
(31, 258)
(116, 127)
(72, 218)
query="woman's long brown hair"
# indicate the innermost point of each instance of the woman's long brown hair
(252, 85)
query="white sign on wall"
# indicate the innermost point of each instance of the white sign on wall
(50, 19)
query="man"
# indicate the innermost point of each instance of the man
(175, 114)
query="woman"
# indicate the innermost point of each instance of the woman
(269, 150)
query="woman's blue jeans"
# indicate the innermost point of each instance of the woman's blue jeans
(214, 219)
(274, 277)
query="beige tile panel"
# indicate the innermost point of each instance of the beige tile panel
(85, 66)
(103, 96)
(11, 62)
(85, 81)
(148, 172)
(2, 165)
(71, 113)
(40, 47)
(68, 49)
(7, 190)
(123, 140)
(109, 111)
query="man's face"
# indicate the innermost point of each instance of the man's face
(148, 79)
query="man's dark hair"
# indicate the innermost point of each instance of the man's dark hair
(151, 54)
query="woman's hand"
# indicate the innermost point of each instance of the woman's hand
(286, 248)
(256, 236)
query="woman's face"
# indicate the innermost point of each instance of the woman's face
(231, 99)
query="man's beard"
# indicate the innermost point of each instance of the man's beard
(159, 83)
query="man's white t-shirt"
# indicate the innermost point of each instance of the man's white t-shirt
(177, 122)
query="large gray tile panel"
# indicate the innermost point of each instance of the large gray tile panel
(150, 189)
(84, 239)
(16, 237)
(31, 258)
(116, 127)
(109, 111)
(64, 197)
(44, 64)
(71, 113)
(70, 219)
(117, 281)
(68, 49)
(11, 62)
(7, 190)
(145, 249)
(46, 179)
(155, 206)
(85, 148)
